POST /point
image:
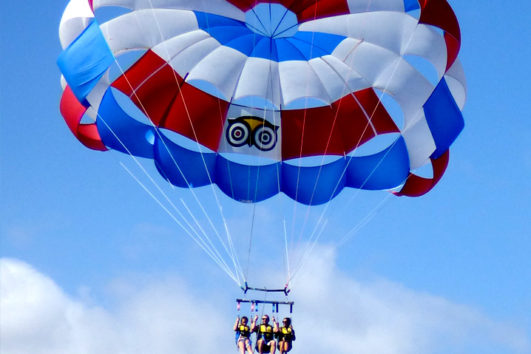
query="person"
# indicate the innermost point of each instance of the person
(285, 335)
(265, 335)
(243, 335)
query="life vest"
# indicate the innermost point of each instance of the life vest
(245, 331)
(265, 331)
(286, 333)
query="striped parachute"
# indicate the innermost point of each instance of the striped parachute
(261, 97)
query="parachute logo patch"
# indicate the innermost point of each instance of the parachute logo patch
(252, 131)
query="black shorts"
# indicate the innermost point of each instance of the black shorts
(265, 347)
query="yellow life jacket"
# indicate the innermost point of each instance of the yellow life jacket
(245, 331)
(287, 333)
(266, 331)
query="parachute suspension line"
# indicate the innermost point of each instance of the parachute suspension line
(263, 305)
(251, 234)
(301, 149)
(312, 241)
(295, 204)
(199, 241)
(231, 244)
(234, 256)
(288, 271)
(196, 198)
(314, 237)
(369, 123)
(228, 249)
(258, 170)
(347, 89)
(308, 251)
(370, 215)
(218, 261)
(369, 120)
(250, 244)
(202, 230)
(352, 232)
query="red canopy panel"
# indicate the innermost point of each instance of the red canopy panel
(417, 186)
(171, 103)
(163, 95)
(72, 111)
(439, 13)
(198, 116)
(337, 129)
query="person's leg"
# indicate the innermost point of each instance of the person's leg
(260, 345)
(287, 346)
(281, 347)
(241, 347)
(249, 347)
(273, 347)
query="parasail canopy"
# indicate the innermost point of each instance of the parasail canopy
(263, 97)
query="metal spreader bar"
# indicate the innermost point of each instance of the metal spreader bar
(275, 304)
(285, 290)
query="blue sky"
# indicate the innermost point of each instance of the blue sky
(74, 221)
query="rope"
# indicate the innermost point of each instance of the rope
(213, 250)
(288, 271)
(312, 243)
(197, 238)
(228, 249)
(250, 243)
(319, 226)
(204, 247)
(302, 139)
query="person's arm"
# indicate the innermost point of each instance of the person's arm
(275, 325)
(292, 333)
(237, 323)
(253, 324)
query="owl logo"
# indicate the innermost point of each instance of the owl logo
(252, 131)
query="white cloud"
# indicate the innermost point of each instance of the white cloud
(386, 318)
(37, 317)
(334, 314)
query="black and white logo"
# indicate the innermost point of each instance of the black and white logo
(252, 131)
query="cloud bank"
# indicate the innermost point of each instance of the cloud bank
(334, 314)
(382, 317)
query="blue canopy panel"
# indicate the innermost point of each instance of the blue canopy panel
(246, 183)
(313, 185)
(410, 5)
(308, 185)
(444, 118)
(119, 131)
(384, 170)
(85, 61)
(183, 167)
(284, 46)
